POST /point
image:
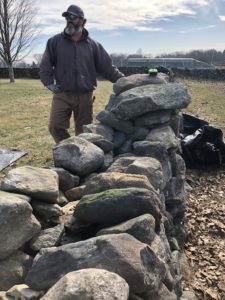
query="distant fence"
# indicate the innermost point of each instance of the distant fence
(200, 74)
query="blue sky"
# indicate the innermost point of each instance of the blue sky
(155, 26)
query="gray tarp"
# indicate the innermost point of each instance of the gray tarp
(8, 156)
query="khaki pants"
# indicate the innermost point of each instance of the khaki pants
(63, 105)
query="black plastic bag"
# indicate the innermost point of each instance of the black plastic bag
(202, 144)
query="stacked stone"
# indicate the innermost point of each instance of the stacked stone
(109, 214)
(142, 120)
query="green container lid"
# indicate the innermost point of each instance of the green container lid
(152, 72)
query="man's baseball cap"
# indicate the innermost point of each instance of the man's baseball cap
(74, 10)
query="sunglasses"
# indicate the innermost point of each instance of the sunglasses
(71, 17)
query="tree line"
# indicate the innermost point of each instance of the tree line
(18, 32)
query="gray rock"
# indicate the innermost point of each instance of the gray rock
(117, 205)
(162, 294)
(176, 207)
(17, 225)
(157, 151)
(49, 213)
(67, 180)
(78, 156)
(175, 123)
(22, 291)
(144, 99)
(179, 167)
(161, 247)
(163, 135)
(139, 134)
(108, 160)
(147, 166)
(36, 182)
(119, 253)
(109, 119)
(97, 140)
(49, 237)
(125, 148)
(113, 180)
(14, 269)
(13, 196)
(70, 222)
(103, 130)
(173, 244)
(3, 296)
(174, 189)
(95, 284)
(75, 193)
(119, 139)
(135, 80)
(180, 234)
(62, 199)
(142, 228)
(154, 118)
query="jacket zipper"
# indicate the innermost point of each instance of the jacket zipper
(76, 71)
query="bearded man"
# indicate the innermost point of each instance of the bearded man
(69, 69)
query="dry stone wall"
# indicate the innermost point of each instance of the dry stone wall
(195, 74)
(107, 221)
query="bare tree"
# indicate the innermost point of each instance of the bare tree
(17, 31)
(38, 57)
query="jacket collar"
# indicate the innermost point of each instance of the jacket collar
(84, 37)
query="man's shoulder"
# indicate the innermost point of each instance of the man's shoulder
(92, 41)
(56, 37)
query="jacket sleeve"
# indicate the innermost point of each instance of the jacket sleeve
(47, 66)
(104, 66)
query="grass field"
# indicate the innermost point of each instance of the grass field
(25, 105)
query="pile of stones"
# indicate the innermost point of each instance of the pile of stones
(106, 222)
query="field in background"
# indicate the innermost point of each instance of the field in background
(24, 114)
(25, 105)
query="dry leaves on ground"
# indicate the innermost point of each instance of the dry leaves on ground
(205, 225)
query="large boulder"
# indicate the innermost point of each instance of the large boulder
(135, 80)
(118, 205)
(154, 118)
(141, 227)
(78, 156)
(95, 284)
(38, 183)
(141, 100)
(108, 118)
(113, 180)
(49, 213)
(67, 181)
(118, 253)
(97, 140)
(49, 237)
(148, 166)
(106, 131)
(158, 151)
(17, 224)
(163, 135)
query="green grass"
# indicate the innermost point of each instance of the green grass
(24, 114)
(208, 101)
(25, 106)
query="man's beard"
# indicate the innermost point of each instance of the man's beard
(71, 28)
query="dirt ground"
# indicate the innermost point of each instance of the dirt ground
(205, 224)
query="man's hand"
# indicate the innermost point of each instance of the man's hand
(55, 88)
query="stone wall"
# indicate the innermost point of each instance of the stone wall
(203, 74)
(107, 221)
(32, 73)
